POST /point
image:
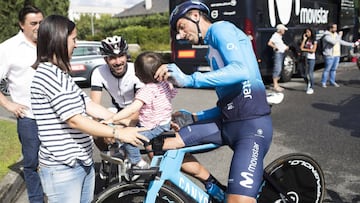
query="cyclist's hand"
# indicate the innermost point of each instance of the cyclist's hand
(162, 73)
(183, 118)
(178, 77)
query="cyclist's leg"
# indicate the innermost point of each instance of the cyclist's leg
(250, 141)
(199, 133)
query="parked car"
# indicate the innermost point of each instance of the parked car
(86, 57)
(4, 87)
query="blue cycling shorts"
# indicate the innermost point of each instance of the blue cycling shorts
(201, 133)
(249, 139)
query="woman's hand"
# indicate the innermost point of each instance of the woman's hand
(131, 135)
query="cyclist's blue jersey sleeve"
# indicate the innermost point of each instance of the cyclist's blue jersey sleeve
(234, 71)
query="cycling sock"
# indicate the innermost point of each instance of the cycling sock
(213, 180)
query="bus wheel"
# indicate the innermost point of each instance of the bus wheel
(288, 67)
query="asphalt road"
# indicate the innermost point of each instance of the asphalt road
(324, 125)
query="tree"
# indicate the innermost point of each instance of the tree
(9, 13)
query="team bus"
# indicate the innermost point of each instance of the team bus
(258, 19)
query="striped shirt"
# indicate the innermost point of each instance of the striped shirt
(157, 104)
(54, 99)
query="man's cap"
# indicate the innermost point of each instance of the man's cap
(281, 27)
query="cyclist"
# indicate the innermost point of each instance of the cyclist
(241, 118)
(118, 78)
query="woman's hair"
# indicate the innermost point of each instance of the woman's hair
(312, 37)
(146, 65)
(52, 42)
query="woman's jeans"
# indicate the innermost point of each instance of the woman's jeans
(28, 135)
(331, 64)
(309, 72)
(65, 184)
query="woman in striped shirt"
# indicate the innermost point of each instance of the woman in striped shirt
(61, 111)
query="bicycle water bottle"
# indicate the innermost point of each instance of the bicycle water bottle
(215, 192)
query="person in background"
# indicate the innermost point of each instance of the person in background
(62, 111)
(331, 50)
(308, 47)
(279, 47)
(118, 78)
(17, 54)
(152, 102)
(241, 118)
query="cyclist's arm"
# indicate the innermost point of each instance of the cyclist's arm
(236, 53)
(95, 96)
(207, 114)
(96, 86)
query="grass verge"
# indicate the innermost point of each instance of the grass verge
(10, 148)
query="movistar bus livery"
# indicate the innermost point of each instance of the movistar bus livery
(258, 19)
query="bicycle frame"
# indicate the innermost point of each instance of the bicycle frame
(169, 166)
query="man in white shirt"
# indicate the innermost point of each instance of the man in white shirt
(17, 54)
(276, 42)
(118, 78)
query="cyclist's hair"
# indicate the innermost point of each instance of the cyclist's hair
(52, 41)
(146, 65)
(26, 10)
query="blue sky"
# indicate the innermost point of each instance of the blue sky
(105, 3)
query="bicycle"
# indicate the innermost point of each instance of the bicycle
(292, 178)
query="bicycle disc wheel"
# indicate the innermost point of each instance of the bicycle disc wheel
(299, 175)
(135, 193)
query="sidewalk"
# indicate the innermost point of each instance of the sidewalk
(13, 183)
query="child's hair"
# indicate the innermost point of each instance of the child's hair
(146, 65)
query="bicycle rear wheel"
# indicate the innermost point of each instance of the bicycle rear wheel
(135, 193)
(299, 175)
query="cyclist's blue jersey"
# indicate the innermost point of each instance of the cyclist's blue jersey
(235, 76)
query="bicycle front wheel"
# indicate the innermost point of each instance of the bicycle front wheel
(135, 193)
(299, 175)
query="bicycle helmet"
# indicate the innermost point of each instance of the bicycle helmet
(115, 45)
(181, 10)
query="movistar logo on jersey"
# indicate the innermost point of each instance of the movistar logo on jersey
(248, 176)
(283, 9)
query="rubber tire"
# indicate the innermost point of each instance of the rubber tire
(294, 178)
(288, 67)
(4, 87)
(135, 193)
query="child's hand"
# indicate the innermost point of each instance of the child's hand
(108, 121)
